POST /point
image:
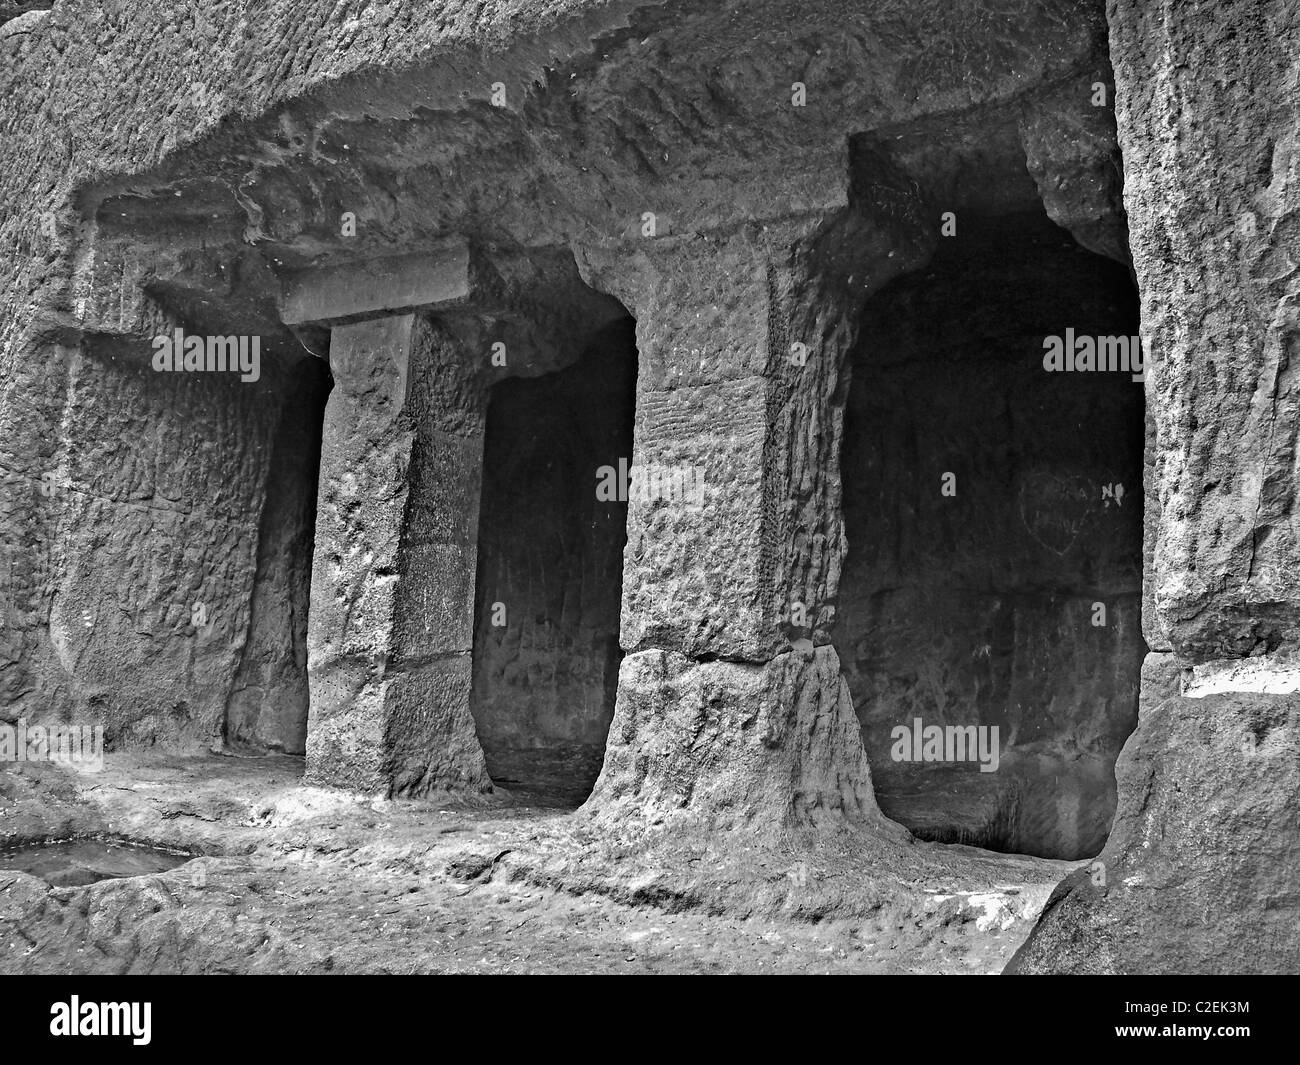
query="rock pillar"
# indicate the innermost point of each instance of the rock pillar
(731, 708)
(392, 601)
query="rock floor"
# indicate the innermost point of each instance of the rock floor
(289, 879)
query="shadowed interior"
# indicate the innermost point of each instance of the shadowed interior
(550, 564)
(994, 517)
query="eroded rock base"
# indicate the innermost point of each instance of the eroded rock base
(300, 879)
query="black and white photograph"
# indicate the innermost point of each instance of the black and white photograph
(650, 487)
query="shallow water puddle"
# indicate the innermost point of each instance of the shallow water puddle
(74, 862)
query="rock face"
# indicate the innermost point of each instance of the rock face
(141, 474)
(267, 709)
(12, 11)
(1212, 207)
(839, 238)
(748, 747)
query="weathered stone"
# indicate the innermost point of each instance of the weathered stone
(736, 745)
(1205, 834)
(1012, 601)
(145, 524)
(1071, 152)
(392, 581)
(430, 280)
(267, 709)
(741, 348)
(740, 178)
(550, 550)
(1198, 874)
(1212, 212)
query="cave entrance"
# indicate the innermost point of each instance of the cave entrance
(550, 564)
(994, 516)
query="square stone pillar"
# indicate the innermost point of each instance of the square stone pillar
(731, 706)
(391, 622)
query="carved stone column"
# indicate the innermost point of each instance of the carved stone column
(731, 707)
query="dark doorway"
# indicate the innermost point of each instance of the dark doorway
(550, 567)
(994, 518)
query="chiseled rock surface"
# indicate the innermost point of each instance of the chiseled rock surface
(763, 748)
(201, 153)
(390, 632)
(141, 476)
(1199, 872)
(1207, 125)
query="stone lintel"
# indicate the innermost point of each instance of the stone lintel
(430, 280)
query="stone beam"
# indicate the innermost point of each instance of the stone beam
(531, 301)
(392, 284)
